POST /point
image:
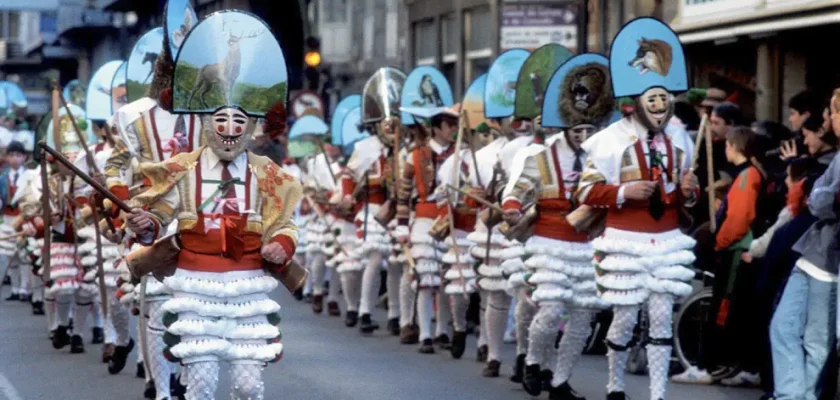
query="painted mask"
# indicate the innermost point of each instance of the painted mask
(228, 132)
(578, 134)
(654, 108)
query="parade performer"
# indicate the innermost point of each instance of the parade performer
(145, 127)
(65, 272)
(640, 177)
(30, 221)
(409, 332)
(420, 172)
(539, 195)
(366, 185)
(233, 210)
(16, 267)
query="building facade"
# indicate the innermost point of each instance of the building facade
(763, 51)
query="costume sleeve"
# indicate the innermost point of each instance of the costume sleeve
(119, 160)
(163, 212)
(277, 214)
(593, 189)
(758, 247)
(740, 211)
(405, 189)
(514, 194)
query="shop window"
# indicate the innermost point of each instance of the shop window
(391, 35)
(479, 43)
(424, 43)
(334, 11)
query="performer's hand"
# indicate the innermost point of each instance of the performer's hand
(746, 257)
(274, 253)
(140, 222)
(114, 236)
(689, 184)
(28, 230)
(346, 202)
(512, 216)
(639, 190)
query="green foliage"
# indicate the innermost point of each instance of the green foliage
(136, 90)
(247, 96)
(543, 63)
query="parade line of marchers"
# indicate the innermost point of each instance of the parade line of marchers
(535, 190)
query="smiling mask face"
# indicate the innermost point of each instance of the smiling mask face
(228, 132)
(654, 108)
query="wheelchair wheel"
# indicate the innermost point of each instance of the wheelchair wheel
(689, 324)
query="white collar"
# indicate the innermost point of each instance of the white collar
(236, 165)
(437, 147)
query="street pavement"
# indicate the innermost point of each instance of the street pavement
(322, 360)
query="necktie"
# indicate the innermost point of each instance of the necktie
(17, 174)
(578, 165)
(231, 205)
(656, 207)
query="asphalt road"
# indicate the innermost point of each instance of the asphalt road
(322, 360)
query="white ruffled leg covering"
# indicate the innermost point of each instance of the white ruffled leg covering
(202, 379)
(110, 331)
(118, 318)
(425, 310)
(498, 306)
(246, 382)
(161, 367)
(482, 318)
(525, 312)
(392, 286)
(319, 269)
(84, 306)
(96, 311)
(620, 334)
(458, 306)
(571, 345)
(407, 295)
(63, 308)
(444, 316)
(543, 333)
(140, 355)
(335, 287)
(24, 275)
(351, 281)
(660, 310)
(370, 282)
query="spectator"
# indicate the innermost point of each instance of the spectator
(801, 106)
(802, 331)
(723, 119)
(819, 142)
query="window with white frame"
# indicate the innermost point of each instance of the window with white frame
(334, 11)
(391, 33)
(479, 43)
(424, 43)
(369, 32)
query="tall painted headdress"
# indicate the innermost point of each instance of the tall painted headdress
(579, 92)
(119, 93)
(140, 67)
(381, 95)
(533, 79)
(231, 59)
(500, 88)
(180, 19)
(425, 88)
(74, 93)
(645, 54)
(473, 103)
(337, 119)
(68, 140)
(352, 130)
(99, 93)
(12, 97)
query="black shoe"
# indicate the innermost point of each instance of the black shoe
(492, 369)
(616, 396)
(119, 358)
(333, 310)
(176, 389)
(546, 376)
(459, 344)
(442, 341)
(481, 354)
(518, 369)
(26, 298)
(77, 345)
(98, 336)
(367, 325)
(60, 338)
(299, 294)
(394, 326)
(564, 392)
(427, 347)
(13, 297)
(37, 308)
(409, 334)
(351, 319)
(531, 380)
(307, 299)
(150, 392)
(141, 371)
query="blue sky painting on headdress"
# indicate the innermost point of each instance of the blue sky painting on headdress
(350, 132)
(551, 116)
(425, 86)
(500, 89)
(473, 102)
(119, 95)
(12, 95)
(230, 59)
(141, 63)
(98, 102)
(180, 19)
(646, 53)
(346, 104)
(308, 125)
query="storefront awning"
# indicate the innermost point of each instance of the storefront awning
(767, 26)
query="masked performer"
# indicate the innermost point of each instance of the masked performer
(408, 331)
(640, 177)
(146, 127)
(30, 222)
(578, 100)
(234, 211)
(370, 176)
(16, 156)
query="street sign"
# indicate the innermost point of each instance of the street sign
(532, 25)
(308, 102)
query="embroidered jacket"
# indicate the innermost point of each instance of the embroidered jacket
(370, 159)
(420, 173)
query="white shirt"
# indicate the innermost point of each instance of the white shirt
(211, 176)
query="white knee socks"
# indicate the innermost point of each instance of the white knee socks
(370, 283)
(497, 313)
(202, 379)
(406, 297)
(524, 315)
(571, 345)
(246, 382)
(543, 333)
(425, 310)
(620, 334)
(392, 285)
(351, 281)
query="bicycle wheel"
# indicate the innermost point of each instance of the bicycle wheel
(689, 324)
